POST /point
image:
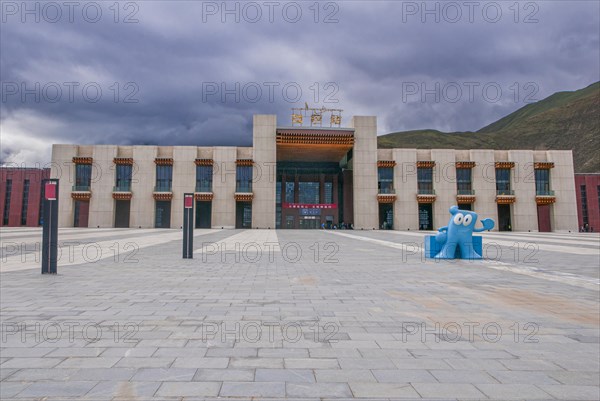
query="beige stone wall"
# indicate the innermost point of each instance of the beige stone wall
(184, 180)
(223, 204)
(366, 207)
(562, 181)
(406, 207)
(524, 210)
(142, 186)
(444, 183)
(63, 169)
(265, 168)
(103, 179)
(484, 184)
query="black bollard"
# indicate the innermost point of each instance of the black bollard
(188, 226)
(50, 226)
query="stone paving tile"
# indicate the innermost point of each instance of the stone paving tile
(236, 375)
(132, 352)
(179, 352)
(366, 363)
(135, 362)
(188, 389)
(164, 374)
(524, 377)
(119, 374)
(463, 376)
(404, 376)
(99, 362)
(322, 390)
(124, 390)
(383, 390)
(284, 375)
(344, 375)
(572, 392)
(23, 363)
(577, 378)
(311, 363)
(253, 389)
(11, 389)
(58, 389)
(216, 363)
(440, 390)
(250, 363)
(513, 391)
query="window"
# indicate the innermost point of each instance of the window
(503, 181)
(164, 178)
(25, 203)
(328, 193)
(425, 180)
(83, 177)
(386, 180)
(542, 182)
(204, 176)
(7, 196)
(123, 177)
(278, 193)
(463, 181)
(584, 208)
(289, 192)
(308, 192)
(243, 179)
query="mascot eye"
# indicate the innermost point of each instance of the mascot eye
(468, 219)
(458, 218)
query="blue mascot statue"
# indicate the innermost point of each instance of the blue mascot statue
(459, 234)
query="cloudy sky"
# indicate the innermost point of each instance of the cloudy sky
(194, 73)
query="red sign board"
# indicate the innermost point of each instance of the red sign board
(50, 191)
(309, 206)
(188, 201)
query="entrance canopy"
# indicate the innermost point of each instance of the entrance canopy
(313, 144)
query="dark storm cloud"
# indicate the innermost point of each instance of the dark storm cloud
(381, 57)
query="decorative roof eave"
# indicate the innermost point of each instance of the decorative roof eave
(122, 195)
(386, 163)
(505, 199)
(425, 164)
(81, 196)
(204, 162)
(243, 197)
(203, 196)
(83, 160)
(244, 162)
(127, 161)
(465, 164)
(465, 198)
(386, 198)
(163, 161)
(504, 164)
(426, 198)
(162, 196)
(545, 200)
(543, 165)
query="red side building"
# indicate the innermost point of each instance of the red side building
(587, 189)
(20, 196)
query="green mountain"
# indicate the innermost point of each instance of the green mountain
(564, 120)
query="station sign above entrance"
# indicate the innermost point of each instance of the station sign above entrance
(309, 205)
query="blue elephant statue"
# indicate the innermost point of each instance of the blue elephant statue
(459, 233)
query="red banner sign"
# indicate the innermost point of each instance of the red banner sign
(309, 206)
(50, 191)
(188, 202)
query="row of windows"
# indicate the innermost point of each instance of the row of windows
(464, 181)
(164, 178)
(24, 203)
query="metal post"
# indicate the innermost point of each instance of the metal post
(188, 226)
(50, 226)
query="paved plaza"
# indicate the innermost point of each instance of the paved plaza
(298, 315)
